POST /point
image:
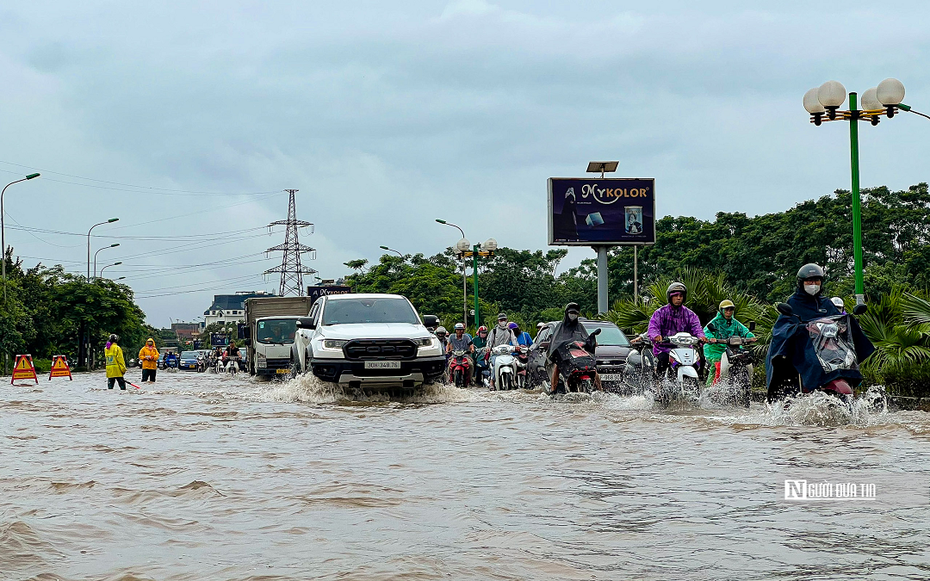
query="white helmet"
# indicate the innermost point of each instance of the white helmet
(459, 326)
(837, 302)
(442, 330)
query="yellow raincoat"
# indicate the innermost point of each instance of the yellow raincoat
(150, 352)
(116, 365)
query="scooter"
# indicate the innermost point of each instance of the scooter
(521, 354)
(825, 356)
(171, 363)
(684, 361)
(232, 365)
(577, 365)
(504, 367)
(459, 365)
(736, 365)
(482, 376)
(639, 371)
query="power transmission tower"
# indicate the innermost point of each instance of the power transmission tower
(292, 272)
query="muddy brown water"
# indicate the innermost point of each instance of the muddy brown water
(204, 477)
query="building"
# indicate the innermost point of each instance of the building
(186, 331)
(230, 308)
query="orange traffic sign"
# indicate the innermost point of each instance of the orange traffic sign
(24, 369)
(60, 368)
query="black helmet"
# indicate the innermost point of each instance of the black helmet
(572, 307)
(114, 338)
(810, 270)
(675, 287)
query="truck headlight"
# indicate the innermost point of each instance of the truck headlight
(334, 344)
(423, 341)
(261, 362)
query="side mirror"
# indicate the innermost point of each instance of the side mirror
(785, 309)
(860, 309)
(752, 325)
(430, 321)
(305, 323)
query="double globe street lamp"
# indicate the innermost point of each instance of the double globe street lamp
(464, 249)
(823, 103)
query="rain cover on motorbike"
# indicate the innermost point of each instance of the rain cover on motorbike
(572, 356)
(819, 351)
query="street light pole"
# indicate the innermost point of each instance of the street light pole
(110, 221)
(106, 267)
(391, 250)
(464, 275)
(823, 104)
(114, 245)
(3, 238)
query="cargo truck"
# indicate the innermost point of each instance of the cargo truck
(268, 332)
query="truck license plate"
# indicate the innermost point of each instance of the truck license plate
(281, 370)
(382, 365)
(611, 377)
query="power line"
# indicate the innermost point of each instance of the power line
(149, 189)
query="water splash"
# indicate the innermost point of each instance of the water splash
(310, 389)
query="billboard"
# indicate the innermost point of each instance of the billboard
(316, 292)
(601, 211)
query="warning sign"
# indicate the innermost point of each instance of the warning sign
(60, 368)
(24, 369)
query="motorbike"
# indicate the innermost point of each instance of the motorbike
(482, 375)
(504, 367)
(459, 365)
(171, 363)
(201, 363)
(684, 361)
(232, 365)
(577, 365)
(639, 371)
(822, 354)
(521, 354)
(736, 365)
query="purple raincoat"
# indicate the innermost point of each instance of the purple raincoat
(669, 320)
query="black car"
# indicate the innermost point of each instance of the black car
(612, 350)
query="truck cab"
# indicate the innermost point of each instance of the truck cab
(269, 350)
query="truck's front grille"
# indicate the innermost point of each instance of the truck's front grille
(361, 349)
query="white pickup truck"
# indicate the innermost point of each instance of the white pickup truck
(367, 340)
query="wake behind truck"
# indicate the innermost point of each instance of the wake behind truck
(268, 332)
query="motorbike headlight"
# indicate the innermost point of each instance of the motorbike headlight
(334, 344)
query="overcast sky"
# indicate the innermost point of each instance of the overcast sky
(187, 120)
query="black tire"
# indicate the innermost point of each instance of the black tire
(459, 379)
(586, 386)
(295, 370)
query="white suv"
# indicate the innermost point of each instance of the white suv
(367, 340)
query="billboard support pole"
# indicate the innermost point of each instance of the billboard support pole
(601, 278)
(635, 274)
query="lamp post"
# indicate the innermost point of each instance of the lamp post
(114, 245)
(826, 100)
(462, 246)
(391, 250)
(110, 221)
(108, 266)
(3, 237)
(486, 249)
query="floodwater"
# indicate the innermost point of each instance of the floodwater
(205, 477)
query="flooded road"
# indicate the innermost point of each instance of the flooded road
(205, 477)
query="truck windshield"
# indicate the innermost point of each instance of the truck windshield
(373, 310)
(276, 331)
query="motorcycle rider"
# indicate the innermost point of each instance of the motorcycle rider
(500, 335)
(232, 351)
(461, 341)
(522, 337)
(479, 342)
(721, 327)
(808, 301)
(670, 319)
(569, 329)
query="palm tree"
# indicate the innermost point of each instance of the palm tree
(898, 324)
